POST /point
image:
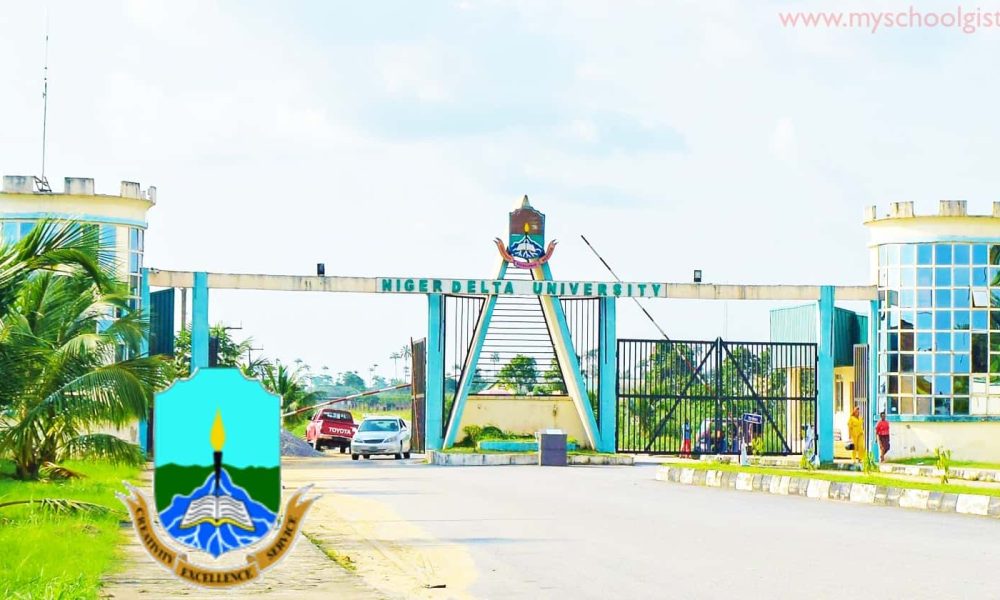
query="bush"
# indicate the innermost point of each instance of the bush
(473, 433)
(491, 432)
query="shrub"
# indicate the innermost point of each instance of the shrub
(942, 460)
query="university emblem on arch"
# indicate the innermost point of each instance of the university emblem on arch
(525, 246)
(217, 483)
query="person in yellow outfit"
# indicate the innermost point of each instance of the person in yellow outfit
(856, 429)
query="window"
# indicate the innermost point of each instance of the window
(939, 328)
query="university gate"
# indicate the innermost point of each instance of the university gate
(717, 394)
(527, 352)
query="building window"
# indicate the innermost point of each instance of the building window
(135, 252)
(939, 325)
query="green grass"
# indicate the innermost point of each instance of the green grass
(881, 480)
(46, 555)
(930, 461)
(471, 450)
(299, 429)
(338, 557)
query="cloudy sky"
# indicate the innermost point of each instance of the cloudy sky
(392, 138)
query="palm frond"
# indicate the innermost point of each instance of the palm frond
(54, 471)
(61, 505)
(106, 447)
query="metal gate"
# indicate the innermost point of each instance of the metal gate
(711, 397)
(418, 381)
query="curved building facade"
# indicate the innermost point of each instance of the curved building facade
(121, 218)
(938, 279)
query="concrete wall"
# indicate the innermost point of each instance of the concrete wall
(523, 414)
(967, 441)
(96, 208)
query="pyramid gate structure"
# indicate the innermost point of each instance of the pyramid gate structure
(526, 363)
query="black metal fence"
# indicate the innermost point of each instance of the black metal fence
(711, 397)
(461, 314)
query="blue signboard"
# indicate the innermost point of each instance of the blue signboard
(753, 418)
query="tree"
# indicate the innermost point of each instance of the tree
(58, 345)
(352, 380)
(553, 379)
(290, 385)
(519, 375)
(395, 356)
(231, 352)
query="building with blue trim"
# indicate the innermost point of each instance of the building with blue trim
(938, 279)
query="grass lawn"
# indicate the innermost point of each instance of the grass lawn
(46, 555)
(881, 479)
(930, 461)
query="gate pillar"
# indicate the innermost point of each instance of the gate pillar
(144, 348)
(607, 376)
(199, 322)
(873, 378)
(824, 379)
(434, 385)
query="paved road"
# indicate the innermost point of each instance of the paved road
(600, 532)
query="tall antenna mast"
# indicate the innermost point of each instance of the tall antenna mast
(45, 93)
(41, 183)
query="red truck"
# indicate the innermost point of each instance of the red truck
(331, 428)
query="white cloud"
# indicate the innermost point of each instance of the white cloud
(783, 143)
(249, 121)
(412, 71)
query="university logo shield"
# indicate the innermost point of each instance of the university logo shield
(525, 243)
(217, 483)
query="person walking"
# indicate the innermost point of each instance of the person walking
(686, 439)
(882, 431)
(856, 429)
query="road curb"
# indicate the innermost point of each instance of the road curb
(821, 489)
(970, 474)
(520, 458)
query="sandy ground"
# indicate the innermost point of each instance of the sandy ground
(392, 558)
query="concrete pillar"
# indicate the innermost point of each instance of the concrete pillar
(434, 386)
(607, 394)
(199, 322)
(144, 347)
(873, 406)
(824, 384)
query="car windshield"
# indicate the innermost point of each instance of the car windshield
(379, 425)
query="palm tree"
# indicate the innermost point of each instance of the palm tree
(290, 385)
(58, 345)
(395, 356)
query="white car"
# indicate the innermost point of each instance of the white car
(381, 435)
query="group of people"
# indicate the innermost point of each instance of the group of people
(856, 431)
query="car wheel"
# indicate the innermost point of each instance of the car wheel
(367, 456)
(343, 449)
(406, 455)
(354, 457)
(315, 445)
